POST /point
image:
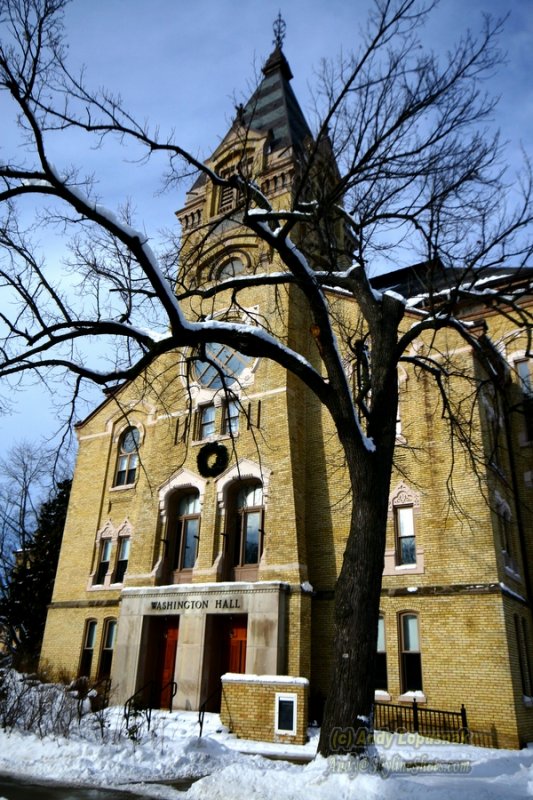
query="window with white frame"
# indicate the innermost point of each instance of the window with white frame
(231, 417)
(523, 369)
(286, 713)
(87, 653)
(104, 560)
(108, 646)
(206, 421)
(248, 522)
(123, 555)
(186, 525)
(410, 655)
(128, 457)
(405, 535)
(380, 677)
(524, 661)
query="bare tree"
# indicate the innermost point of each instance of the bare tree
(400, 161)
(24, 480)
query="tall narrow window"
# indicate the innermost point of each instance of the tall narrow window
(249, 524)
(108, 645)
(523, 369)
(231, 417)
(103, 563)
(522, 643)
(206, 422)
(411, 662)
(380, 680)
(89, 639)
(405, 535)
(128, 457)
(187, 528)
(123, 557)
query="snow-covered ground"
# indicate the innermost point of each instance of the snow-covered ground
(231, 768)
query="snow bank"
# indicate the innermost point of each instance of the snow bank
(98, 752)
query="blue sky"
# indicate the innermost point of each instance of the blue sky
(182, 64)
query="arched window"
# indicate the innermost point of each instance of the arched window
(184, 533)
(411, 660)
(123, 555)
(87, 652)
(248, 525)
(222, 367)
(230, 268)
(380, 677)
(104, 558)
(108, 646)
(128, 457)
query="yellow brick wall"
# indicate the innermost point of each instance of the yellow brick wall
(248, 708)
(308, 505)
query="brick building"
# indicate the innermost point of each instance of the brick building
(208, 512)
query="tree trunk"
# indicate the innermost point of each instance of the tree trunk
(350, 701)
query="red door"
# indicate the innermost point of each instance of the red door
(237, 644)
(168, 660)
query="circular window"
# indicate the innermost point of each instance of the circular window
(230, 268)
(223, 365)
(130, 441)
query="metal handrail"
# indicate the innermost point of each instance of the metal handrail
(173, 693)
(201, 710)
(153, 686)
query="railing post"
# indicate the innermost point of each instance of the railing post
(415, 716)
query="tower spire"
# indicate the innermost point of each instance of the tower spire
(279, 31)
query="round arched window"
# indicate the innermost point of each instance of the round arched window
(230, 268)
(222, 365)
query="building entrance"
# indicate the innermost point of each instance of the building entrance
(225, 652)
(160, 664)
(167, 664)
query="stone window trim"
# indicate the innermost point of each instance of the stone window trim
(200, 394)
(401, 497)
(182, 532)
(245, 471)
(182, 481)
(114, 536)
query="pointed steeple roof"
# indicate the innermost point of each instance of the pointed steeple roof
(273, 108)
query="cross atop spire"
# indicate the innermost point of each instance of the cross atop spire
(279, 30)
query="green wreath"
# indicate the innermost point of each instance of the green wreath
(212, 459)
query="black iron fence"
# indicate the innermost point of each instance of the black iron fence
(431, 722)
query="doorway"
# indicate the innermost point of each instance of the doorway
(161, 645)
(225, 651)
(167, 664)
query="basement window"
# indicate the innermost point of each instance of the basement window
(286, 708)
